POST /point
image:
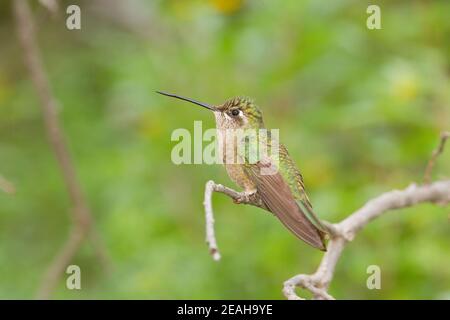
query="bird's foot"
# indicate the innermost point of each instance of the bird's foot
(246, 197)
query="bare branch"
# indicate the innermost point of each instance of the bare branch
(81, 214)
(341, 233)
(238, 197)
(209, 217)
(318, 282)
(436, 152)
(62, 260)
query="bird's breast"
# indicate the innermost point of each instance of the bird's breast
(233, 161)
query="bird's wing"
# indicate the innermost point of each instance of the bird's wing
(295, 180)
(278, 198)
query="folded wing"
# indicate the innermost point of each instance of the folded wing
(277, 196)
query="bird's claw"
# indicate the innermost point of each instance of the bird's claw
(245, 197)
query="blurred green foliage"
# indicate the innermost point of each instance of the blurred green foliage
(360, 111)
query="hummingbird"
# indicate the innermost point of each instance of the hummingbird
(282, 192)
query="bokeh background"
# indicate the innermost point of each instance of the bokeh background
(360, 111)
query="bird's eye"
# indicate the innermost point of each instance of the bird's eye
(235, 112)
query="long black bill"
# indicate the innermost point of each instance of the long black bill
(204, 105)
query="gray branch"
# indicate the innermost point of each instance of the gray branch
(341, 233)
(345, 231)
(81, 214)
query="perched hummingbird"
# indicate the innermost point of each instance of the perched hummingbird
(282, 192)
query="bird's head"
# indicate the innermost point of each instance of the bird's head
(235, 113)
(239, 113)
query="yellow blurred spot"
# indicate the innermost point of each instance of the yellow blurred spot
(405, 88)
(227, 6)
(403, 81)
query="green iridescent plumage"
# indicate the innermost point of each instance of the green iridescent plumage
(248, 107)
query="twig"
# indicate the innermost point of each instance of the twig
(436, 152)
(238, 197)
(209, 217)
(81, 214)
(318, 282)
(60, 263)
